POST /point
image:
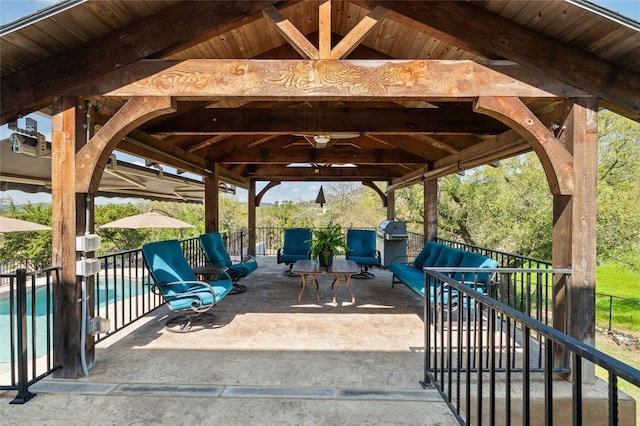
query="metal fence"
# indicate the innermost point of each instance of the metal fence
(26, 330)
(619, 316)
(485, 355)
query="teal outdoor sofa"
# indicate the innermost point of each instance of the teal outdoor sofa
(440, 255)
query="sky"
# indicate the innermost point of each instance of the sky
(11, 10)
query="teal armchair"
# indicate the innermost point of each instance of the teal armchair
(175, 281)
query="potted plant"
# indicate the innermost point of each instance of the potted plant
(325, 242)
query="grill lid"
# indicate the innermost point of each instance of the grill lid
(392, 227)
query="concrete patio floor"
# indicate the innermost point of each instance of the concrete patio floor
(270, 361)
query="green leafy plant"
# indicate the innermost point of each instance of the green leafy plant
(326, 242)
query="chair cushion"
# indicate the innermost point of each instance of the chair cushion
(214, 249)
(434, 252)
(297, 241)
(475, 260)
(428, 255)
(449, 257)
(167, 263)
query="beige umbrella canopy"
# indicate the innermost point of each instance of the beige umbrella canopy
(8, 224)
(147, 220)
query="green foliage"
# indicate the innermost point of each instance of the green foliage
(618, 189)
(330, 238)
(31, 250)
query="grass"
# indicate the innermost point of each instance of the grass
(618, 280)
(627, 354)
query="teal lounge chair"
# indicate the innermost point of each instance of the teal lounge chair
(217, 255)
(174, 279)
(362, 250)
(297, 246)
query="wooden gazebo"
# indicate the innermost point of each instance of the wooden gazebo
(403, 92)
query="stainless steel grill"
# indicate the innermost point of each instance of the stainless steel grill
(392, 241)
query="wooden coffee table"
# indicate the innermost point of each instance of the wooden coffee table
(346, 268)
(306, 268)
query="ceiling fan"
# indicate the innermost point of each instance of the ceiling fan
(320, 141)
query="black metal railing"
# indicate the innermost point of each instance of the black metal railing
(26, 330)
(121, 291)
(482, 354)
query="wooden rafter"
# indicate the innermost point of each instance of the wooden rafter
(358, 33)
(476, 30)
(497, 148)
(30, 89)
(290, 33)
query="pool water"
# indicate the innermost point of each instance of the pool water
(104, 296)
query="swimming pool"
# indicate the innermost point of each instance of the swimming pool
(106, 293)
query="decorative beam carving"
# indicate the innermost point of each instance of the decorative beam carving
(344, 80)
(92, 158)
(556, 161)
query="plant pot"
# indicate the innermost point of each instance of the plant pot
(325, 258)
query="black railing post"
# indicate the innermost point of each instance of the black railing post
(23, 382)
(610, 311)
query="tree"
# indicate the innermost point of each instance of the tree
(31, 250)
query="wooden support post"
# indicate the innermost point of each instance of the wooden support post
(391, 205)
(252, 218)
(574, 227)
(68, 217)
(211, 211)
(430, 209)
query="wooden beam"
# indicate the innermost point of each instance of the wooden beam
(206, 143)
(93, 157)
(67, 222)
(270, 185)
(374, 187)
(344, 80)
(148, 147)
(284, 173)
(30, 89)
(556, 161)
(474, 29)
(358, 33)
(502, 146)
(336, 155)
(284, 121)
(290, 33)
(324, 29)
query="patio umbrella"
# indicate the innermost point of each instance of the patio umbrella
(8, 224)
(147, 220)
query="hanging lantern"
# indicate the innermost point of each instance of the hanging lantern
(320, 198)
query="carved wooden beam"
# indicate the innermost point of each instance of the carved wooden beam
(556, 161)
(92, 158)
(345, 80)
